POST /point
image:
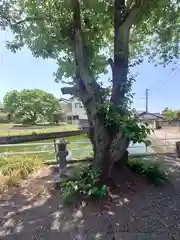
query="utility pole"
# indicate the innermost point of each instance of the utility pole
(147, 98)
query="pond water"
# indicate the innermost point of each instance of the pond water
(79, 147)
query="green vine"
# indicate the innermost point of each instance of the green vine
(134, 130)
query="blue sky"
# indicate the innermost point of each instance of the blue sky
(22, 70)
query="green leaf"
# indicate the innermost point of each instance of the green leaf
(47, 32)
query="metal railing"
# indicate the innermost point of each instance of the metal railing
(134, 149)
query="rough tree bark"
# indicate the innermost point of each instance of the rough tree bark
(109, 147)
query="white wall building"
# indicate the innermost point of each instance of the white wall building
(78, 109)
(78, 113)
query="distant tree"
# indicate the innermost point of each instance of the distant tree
(165, 110)
(58, 117)
(167, 114)
(11, 102)
(66, 109)
(171, 115)
(177, 115)
(29, 106)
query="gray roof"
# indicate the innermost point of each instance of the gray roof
(150, 116)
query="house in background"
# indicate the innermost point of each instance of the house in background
(75, 112)
(153, 119)
(150, 116)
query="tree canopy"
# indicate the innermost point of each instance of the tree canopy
(30, 106)
(171, 115)
(46, 27)
(86, 36)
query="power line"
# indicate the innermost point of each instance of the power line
(174, 70)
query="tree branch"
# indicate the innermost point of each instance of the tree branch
(5, 18)
(81, 61)
(121, 34)
(28, 19)
(121, 43)
(91, 87)
(138, 7)
(76, 14)
(69, 90)
(129, 3)
(123, 20)
(111, 63)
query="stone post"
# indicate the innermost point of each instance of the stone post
(61, 154)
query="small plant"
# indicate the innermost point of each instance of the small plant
(85, 183)
(15, 168)
(151, 169)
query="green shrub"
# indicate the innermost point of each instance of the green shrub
(151, 169)
(15, 168)
(85, 183)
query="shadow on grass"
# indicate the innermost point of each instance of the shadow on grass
(36, 211)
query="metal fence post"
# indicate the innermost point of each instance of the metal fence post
(61, 154)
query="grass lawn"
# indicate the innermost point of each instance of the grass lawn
(9, 129)
(15, 167)
(79, 147)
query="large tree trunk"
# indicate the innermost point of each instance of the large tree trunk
(108, 149)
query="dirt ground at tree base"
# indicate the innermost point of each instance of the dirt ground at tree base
(136, 210)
